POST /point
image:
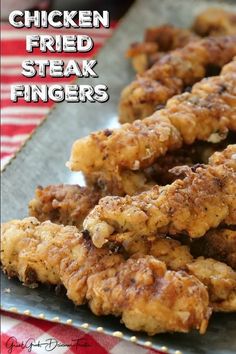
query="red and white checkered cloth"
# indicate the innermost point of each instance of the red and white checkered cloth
(18, 121)
(25, 334)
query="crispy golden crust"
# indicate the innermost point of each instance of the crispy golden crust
(220, 281)
(175, 255)
(133, 182)
(172, 74)
(157, 41)
(169, 37)
(215, 21)
(63, 204)
(51, 253)
(163, 171)
(70, 204)
(204, 114)
(142, 55)
(218, 244)
(56, 254)
(151, 293)
(202, 200)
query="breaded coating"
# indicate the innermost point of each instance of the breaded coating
(219, 244)
(70, 204)
(219, 279)
(171, 75)
(204, 199)
(162, 39)
(175, 255)
(207, 113)
(50, 253)
(143, 55)
(215, 21)
(150, 298)
(63, 204)
(133, 182)
(157, 41)
(56, 254)
(163, 171)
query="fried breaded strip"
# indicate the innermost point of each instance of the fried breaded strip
(172, 74)
(220, 281)
(157, 41)
(218, 244)
(147, 292)
(202, 200)
(217, 276)
(163, 171)
(63, 204)
(70, 204)
(204, 114)
(56, 254)
(215, 21)
(174, 254)
(143, 55)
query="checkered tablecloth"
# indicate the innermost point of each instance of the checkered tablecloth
(21, 334)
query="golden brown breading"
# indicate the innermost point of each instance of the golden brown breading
(70, 204)
(175, 255)
(219, 244)
(215, 21)
(163, 171)
(157, 41)
(50, 253)
(133, 182)
(169, 37)
(143, 55)
(56, 254)
(174, 72)
(150, 298)
(204, 114)
(219, 279)
(202, 200)
(63, 204)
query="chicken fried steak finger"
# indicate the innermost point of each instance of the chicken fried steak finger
(63, 204)
(157, 41)
(215, 21)
(219, 278)
(201, 201)
(56, 254)
(174, 72)
(206, 113)
(219, 244)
